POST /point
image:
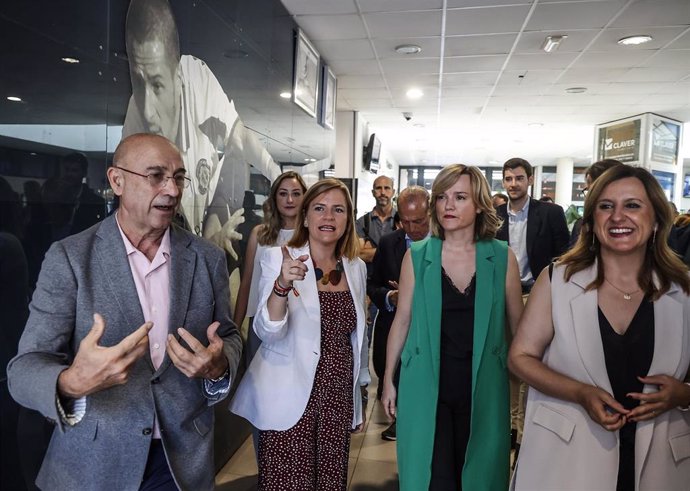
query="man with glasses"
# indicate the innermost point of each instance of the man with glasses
(129, 341)
(382, 281)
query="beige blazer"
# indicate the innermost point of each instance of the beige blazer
(562, 448)
(274, 392)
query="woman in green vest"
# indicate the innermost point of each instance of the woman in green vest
(457, 289)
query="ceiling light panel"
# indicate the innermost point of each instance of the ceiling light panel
(552, 43)
(408, 49)
(635, 40)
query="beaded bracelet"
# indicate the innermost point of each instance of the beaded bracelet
(280, 290)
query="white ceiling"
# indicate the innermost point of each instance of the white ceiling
(490, 92)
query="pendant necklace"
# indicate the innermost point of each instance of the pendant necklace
(626, 295)
(333, 276)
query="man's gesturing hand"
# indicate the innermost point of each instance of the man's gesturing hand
(201, 362)
(96, 367)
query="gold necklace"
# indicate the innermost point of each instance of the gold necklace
(626, 295)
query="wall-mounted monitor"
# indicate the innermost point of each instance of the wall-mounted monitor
(371, 154)
(686, 186)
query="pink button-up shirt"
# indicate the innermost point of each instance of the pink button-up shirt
(152, 280)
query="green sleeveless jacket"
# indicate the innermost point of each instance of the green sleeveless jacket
(488, 451)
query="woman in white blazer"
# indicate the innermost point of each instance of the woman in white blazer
(605, 345)
(302, 388)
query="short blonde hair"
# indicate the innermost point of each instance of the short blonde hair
(348, 244)
(486, 222)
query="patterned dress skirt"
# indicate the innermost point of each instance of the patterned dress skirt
(313, 454)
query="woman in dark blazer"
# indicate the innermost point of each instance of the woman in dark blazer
(457, 289)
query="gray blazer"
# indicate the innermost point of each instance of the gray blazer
(89, 272)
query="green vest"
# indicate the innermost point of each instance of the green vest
(488, 451)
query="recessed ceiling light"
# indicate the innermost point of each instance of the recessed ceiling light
(285, 95)
(576, 90)
(414, 93)
(14, 98)
(635, 40)
(551, 43)
(69, 59)
(408, 49)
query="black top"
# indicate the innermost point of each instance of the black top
(457, 318)
(628, 356)
(457, 333)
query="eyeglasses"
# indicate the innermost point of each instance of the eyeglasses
(160, 180)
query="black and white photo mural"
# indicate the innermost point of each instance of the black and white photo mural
(77, 77)
(178, 97)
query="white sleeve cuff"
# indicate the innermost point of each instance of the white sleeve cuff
(71, 411)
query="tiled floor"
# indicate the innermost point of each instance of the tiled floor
(372, 460)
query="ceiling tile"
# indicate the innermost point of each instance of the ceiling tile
(413, 24)
(682, 42)
(526, 90)
(368, 93)
(408, 80)
(588, 99)
(540, 61)
(385, 47)
(654, 75)
(319, 27)
(297, 7)
(611, 88)
(360, 82)
(465, 91)
(647, 13)
(612, 60)
(460, 64)
(583, 76)
(398, 5)
(576, 15)
(477, 78)
(503, 100)
(529, 77)
(342, 49)
(491, 44)
(670, 59)
(396, 67)
(485, 3)
(672, 99)
(531, 42)
(454, 102)
(355, 67)
(486, 20)
(359, 104)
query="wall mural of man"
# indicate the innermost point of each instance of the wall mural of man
(179, 98)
